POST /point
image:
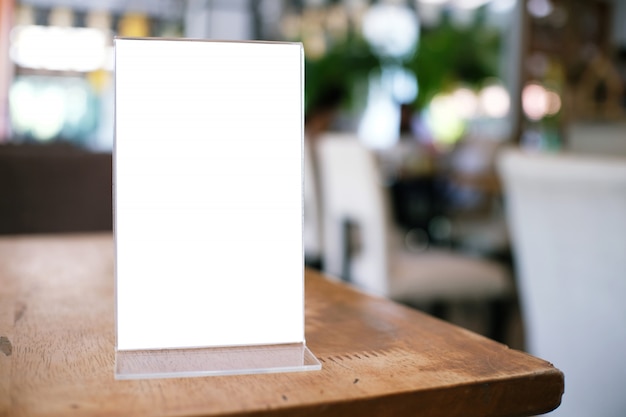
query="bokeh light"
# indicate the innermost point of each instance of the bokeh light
(495, 101)
(45, 108)
(465, 102)
(554, 103)
(539, 102)
(443, 119)
(534, 101)
(59, 48)
(37, 111)
(502, 6)
(380, 123)
(403, 83)
(392, 30)
(539, 8)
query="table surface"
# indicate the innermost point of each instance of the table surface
(378, 358)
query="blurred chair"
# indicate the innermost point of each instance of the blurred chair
(362, 246)
(54, 188)
(474, 198)
(312, 228)
(567, 219)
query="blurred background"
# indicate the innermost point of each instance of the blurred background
(501, 70)
(432, 90)
(416, 103)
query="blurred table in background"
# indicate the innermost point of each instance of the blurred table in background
(450, 199)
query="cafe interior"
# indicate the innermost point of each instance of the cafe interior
(463, 157)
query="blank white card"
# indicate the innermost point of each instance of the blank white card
(208, 193)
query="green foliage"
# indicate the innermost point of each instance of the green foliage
(346, 63)
(446, 55)
(449, 54)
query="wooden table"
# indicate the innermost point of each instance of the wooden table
(378, 358)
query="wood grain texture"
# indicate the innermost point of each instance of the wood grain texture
(379, 358)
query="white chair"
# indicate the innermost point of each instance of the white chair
(375, 258)
(567, 219)
(312, 228)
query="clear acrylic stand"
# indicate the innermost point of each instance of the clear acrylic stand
(172, 363)
(208, 208)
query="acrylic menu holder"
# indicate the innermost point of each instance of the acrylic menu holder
(208, 208)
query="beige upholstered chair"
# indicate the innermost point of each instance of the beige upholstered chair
(567, 218)
(362, 245)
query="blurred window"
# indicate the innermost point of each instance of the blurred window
(59, 48)
(46, 107)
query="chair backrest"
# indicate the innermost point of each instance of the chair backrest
(567, 219)
(312, 227)
(353, 194)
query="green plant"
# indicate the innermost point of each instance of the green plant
(450, 54)
(345, 64)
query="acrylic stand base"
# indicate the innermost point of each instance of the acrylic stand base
(175, 363)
